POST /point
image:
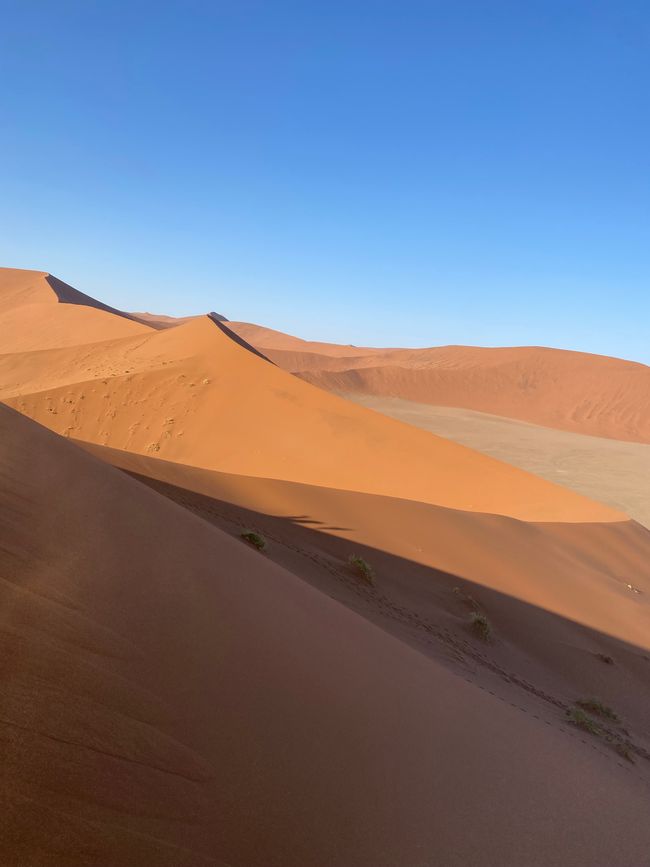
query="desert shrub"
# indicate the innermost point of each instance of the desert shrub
(593, 705)
(255, 539)
(481, 626)
(362, 568)
(579, 718)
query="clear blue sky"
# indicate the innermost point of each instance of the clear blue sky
(392, 172)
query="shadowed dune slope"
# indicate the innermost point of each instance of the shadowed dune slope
(573, 391)
(170, 697)
(191, 394)
(579, 571)
(39, 311)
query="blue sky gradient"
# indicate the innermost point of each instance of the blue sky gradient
(387, 173)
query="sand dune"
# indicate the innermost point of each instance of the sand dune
(573, 391)
(38, 311)
(172, 697)
(614, 472)
(154, 711)
(192, 395)
(580, 572)
(159, 321)
(267, 338)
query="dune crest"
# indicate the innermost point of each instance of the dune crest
(573, 391)
(39, 311)
(172, 696)
(191, 394)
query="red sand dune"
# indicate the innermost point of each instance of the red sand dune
(190, 394)
(578, 571)
(159, 321)
(38, 311)
(170, 697)
(572, 391)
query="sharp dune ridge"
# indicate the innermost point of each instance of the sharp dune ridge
(572, 391)
(165, 392)
(171, 696)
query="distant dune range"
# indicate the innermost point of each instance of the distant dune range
(598, 448)
(572, 391)
(170, 696)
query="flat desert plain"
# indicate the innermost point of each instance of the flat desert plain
(248, 622)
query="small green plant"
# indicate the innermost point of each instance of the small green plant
(579, 718)
(364, 570)
(593, 705)
(255, 539)
(481, 626)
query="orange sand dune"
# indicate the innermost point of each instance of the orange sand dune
(38, 311)
(267, 338)
(192, 395)
(170, 697)
(579, 571)
(572, 391)
(160, 321)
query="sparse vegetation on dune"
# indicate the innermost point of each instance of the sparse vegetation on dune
(579, 718)
(255, 539)
(362, 568)
(481, 626)
(594, 705)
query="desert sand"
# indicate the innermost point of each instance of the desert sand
(172, 696)
(572, 391)
(38, 311)
(614, 472)
(178, 392)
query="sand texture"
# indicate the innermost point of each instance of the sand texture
(173, 696)
(572, 391)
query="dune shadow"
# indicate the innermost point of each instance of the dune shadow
(221, 324)
(533, 658)
(69, 295)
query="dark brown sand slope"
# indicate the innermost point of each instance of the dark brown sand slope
(580, 571)
(172, 697)
(573, 391)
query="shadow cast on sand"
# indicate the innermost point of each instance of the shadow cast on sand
(533, 659)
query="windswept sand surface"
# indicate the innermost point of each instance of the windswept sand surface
(170, 696)
(614, 472)
(573, 391)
